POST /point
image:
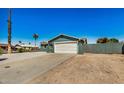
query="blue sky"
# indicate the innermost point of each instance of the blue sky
(48, 23)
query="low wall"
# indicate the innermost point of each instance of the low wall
(108, 48)
(49, 49)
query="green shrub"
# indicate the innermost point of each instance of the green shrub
(1, 51)
(20, 50)
(114, 40)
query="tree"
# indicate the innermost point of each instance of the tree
(35, 36)
(102, 40)
(44, 44)
(29, 43)
(106, 40)
(20, 42)
(1, 51)
(114, 40)
(9, 32)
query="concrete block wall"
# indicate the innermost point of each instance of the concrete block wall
(107, 48)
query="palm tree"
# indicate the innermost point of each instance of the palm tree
(9, 32)
(35, 36)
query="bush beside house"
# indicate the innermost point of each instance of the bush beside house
(21, 50)
(1, 51)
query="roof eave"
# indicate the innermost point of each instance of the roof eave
(63, 35)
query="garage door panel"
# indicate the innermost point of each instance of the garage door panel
(65, 48)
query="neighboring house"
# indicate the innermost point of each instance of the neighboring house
(18, 46)
(44, 44)
(5, 47)
(65, 44)
(25, 46)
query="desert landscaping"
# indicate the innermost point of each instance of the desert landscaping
(61, 68)
(87, 68)
(79, 49)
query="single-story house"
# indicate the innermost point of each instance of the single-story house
(5, 47)
(68, 44)
(44, 44)
(25, 46)
(65, 44)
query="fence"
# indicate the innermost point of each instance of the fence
(107, 48)
(49, 49)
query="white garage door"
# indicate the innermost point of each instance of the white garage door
(68, 47)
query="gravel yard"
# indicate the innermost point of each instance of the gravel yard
(87, 68)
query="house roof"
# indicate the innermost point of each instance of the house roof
(63, 35)
(4, 45)
(44, 43)
(25, 45)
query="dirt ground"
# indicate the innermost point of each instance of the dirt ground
(87, 68)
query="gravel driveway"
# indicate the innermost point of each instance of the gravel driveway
(25, 70)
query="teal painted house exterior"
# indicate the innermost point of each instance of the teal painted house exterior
(69, 44)
(64, 38)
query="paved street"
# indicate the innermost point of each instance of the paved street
(7, 58)
(22, 71)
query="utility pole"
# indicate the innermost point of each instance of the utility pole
(9, 32)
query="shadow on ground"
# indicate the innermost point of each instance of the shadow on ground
(123, 49)
(2, 59)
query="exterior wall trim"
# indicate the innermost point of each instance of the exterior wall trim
(62, 42)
